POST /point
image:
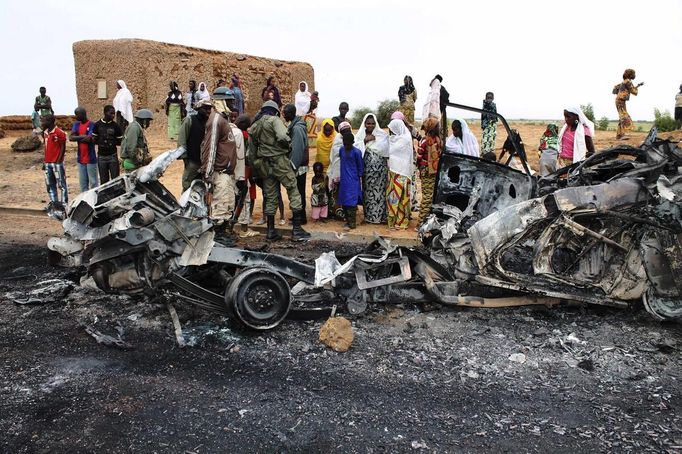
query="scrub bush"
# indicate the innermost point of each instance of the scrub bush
(603, 124)
(663, 121)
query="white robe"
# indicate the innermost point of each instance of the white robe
(123, 102)
(400, 151)
(302, 100)
(432, 105)
(380, 143)
(202, 94)
(467, 145)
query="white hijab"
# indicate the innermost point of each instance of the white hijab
(379, 145)
(123, 102)
(432, 105)
(579, 143)
(203, 94)
(467, 145)
(400, 149)
(302, 100)
(334, 169)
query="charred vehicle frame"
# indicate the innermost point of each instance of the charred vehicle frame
(604, 231)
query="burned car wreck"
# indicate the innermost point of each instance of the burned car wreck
(605, 231)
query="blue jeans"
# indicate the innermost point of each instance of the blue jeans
(87, 176)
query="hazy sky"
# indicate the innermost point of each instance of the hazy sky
(538, 57)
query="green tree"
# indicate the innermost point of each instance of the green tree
(384, 111)
(588, 110)
(358, 115)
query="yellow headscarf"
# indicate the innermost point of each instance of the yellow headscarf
(324, 142)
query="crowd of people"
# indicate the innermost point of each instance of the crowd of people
(234, 154)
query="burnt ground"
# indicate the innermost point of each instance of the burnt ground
(416, 378)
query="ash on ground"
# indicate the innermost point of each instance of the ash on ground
(416, 378)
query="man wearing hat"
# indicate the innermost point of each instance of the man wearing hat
(134, 148)
(269, 154)
(219, 157)
(190, 136)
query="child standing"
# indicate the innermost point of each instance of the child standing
(319, 200)
(352, 170)
(55, 147)
(549, 149)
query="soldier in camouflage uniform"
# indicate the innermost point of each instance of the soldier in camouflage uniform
(269, 159)
(134, 148)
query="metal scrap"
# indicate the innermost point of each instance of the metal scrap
(108, 340)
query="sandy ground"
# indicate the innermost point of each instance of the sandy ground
(22, 182)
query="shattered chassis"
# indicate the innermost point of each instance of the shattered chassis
(605, 231)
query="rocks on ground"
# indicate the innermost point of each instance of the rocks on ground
(337, 334)
(27, 143)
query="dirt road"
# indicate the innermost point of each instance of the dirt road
(417, 378)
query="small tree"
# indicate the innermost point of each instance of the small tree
(663, 121)
(588, 110)
(358, 115)
(603, 124)
(384, 111)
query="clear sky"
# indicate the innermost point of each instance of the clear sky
(537, 56)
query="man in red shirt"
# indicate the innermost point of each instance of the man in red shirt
(87, 159)
(55, 147)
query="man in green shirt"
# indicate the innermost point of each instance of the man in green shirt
(134, 148)
(43, 104)
(269, 155)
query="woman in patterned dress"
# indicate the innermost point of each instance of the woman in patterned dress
(175, 110)
(407, 95)
(399, 175)
(623, 92)
(429, 153)
(488, 124)
(372, 141)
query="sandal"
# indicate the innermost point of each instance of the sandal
(248, 234)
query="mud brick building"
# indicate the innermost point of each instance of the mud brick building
(148, 66)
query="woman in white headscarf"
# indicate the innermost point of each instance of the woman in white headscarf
(462, 141)
(432, 105)
(400, 169)
(575, 138)
(302, 99)
(372, 141)
(203, 93)
(123, 103)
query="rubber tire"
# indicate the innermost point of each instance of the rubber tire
(254, 310)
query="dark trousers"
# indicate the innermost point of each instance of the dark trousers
(301, 183)
(280, 203)
(350, 213)
(108, 166)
